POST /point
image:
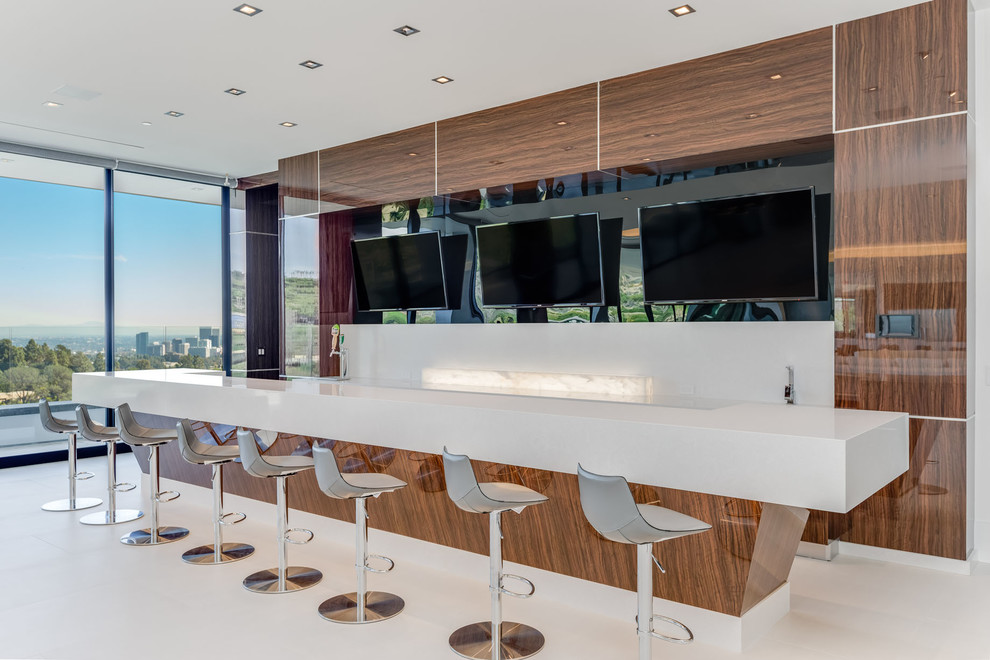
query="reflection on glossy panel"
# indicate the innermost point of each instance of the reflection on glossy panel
(746, 558)
(768, 93)
(900, 249)
(299, 185)
(901, 64)
(924, 510)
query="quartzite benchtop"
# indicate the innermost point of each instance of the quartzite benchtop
(804, 456)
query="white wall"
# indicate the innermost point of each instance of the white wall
(980, 283)
(742, 361)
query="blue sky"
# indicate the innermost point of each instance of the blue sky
(51, 258)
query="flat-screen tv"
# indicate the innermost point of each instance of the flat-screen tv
(402, 272)
(744, 248)
(549, 262)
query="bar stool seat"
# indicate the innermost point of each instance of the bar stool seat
(109, 435)
(516, 640)
(609, 507)
(360, 606)
(216, 456)
(283, 578)
(137, 435)
(69, 429)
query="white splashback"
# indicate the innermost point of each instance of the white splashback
(742, 361)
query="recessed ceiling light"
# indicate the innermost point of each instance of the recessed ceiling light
(52, 104)
(310, 64)
(412, 153)
(247, 10)
(406, 30)
(288, 124)
(443, 80)
(234, 91)
(626, 198)
(952, 94)
(924, 54)
(683, 10)
(561, 123)
(146, 123)
(173, 113)
(872, 89)
(776, 76)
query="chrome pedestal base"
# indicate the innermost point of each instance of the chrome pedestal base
(72, 504)
(378, 605)
(145, 537)
(206, 554)
(114, 517)
(296, 579)
(475, 641)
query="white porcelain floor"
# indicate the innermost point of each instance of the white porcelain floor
(73, 591)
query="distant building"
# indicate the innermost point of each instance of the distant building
(141, 343)
(179, 347)
(157, 349)
(199, 351)
(215, 338)
(192, 341)
(205, 331)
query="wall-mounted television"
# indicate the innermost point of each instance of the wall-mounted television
(402, 272)
(744, 248)
(548, 262)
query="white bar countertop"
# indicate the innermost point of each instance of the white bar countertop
(807, 456)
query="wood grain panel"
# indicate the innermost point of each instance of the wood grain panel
(380, 170)
(337, 304)
(721, 102)
(739, 559)
(900, 248)
(901, 64)
(519, 142)
(257, 180)
(299, 184)
(924, 510)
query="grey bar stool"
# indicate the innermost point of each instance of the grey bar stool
(361, 606)
(67, 428)
(283, 578)
(216, 456)
(110, 435)
(142, 436)
(516, 640)
(609, 507)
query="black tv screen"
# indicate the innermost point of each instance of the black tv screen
(550, 262)
(746, 248)
(402, 272)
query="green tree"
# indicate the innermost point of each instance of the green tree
(62, 355)
(33, 353)
(80, 363)
(56, 383)
(23, 382)
(99, 362)
(4, 385)
(47, 355)
(143, 363)
(10, 355)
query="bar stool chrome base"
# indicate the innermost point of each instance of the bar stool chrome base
(114, 517)
(378, 606)
(166, 534)
(207, 555)
(475, 640)
(297, 578)
(72, 504)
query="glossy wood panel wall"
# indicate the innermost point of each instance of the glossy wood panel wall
(901, 65)
(746, 556)
(380, 170)
(336, 303)
(262, 281)
(721, 102)
(900, 248)
(299, 184)
(519, 142)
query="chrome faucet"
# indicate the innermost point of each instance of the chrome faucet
(789, 388)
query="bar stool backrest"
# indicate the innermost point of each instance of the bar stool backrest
(192, 450)
(608, 504)
(49, 422)
(125, 420)
(91, 431)
(328, 474)
(251, 458)
(459, 476)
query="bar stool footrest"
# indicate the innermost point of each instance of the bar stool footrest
(233, 514)
(299, 530)
(82, 476)
(518, 594)
(378, 606)
(167, 496)
(123, 487)
(391, 564)
(475, 640)
(675, 623)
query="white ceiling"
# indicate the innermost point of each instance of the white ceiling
(145, 58)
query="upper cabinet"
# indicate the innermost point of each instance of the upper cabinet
(903, 64)
(772, 92)
(388, 168)
(547, 136)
